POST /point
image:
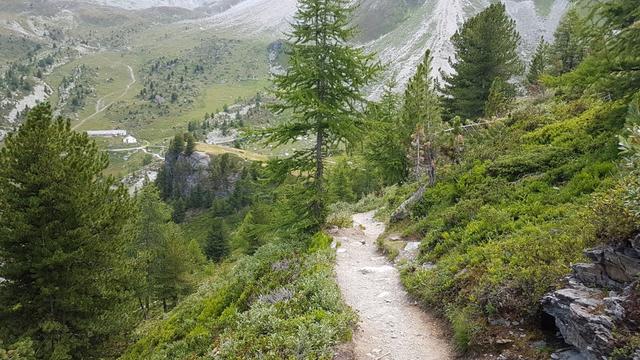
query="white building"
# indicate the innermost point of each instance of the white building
(130, 140)
(107, 133)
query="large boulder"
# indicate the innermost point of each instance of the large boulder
(587, 312)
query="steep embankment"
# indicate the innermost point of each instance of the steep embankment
(391, 325)
(500, 230)
(281, 303)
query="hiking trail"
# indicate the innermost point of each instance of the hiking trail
(391, 326)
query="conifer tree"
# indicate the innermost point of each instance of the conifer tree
(385, 147)
(569, 45)
(422, 112)
(217, 247)
(163, 260)
(322, 88)
(190, 145)
(62, 239)
(485, 49)
(539, 63)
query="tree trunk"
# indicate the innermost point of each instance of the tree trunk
(402, 211)
(319, 184)
(431, 164)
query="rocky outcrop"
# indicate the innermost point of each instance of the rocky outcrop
(199, 178)
(594, 304)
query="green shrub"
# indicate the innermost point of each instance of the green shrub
(279, 303)
(464, 326)
(503, 227)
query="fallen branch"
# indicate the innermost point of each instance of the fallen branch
(402, 211)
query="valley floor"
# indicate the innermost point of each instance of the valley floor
(391, 325)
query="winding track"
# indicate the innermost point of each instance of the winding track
(99, 108)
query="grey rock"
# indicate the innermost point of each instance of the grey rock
(576, 315)
(586, 312)
(568, 354)
(618, 266)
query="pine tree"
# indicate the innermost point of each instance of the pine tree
(422, 114)
(485, 49)
(217, 247)
(538, 64)
(190, 146)
(322, 88)
(569, 45)
(62, 239)
(386, 143)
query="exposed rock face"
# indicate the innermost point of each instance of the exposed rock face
(199, 177)
(189, 172)
(594, 303)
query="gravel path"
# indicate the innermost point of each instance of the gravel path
(391, 327)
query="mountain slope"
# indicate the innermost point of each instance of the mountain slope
(404, 29)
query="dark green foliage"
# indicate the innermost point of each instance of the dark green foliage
(539, 63)
(385, 146)
(501, 97)
(163, 260)
(190, 145)
(217, 246)
(62, 240)
(179, 211)
(570, 43)
(281, 303)
(486, 49)
(323, 89)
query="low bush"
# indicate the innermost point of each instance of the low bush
(280, 303)
(503, 226)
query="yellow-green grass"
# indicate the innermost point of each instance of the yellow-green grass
(218, 150)
(214, 97)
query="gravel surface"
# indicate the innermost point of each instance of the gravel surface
(391, 326)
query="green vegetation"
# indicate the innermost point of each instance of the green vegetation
(481, 59)
(224, 257)
(280, 303)
(62, 241)
(322, 88)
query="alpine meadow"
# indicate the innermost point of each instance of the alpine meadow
(320, 179)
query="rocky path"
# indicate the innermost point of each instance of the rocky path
(391, 327)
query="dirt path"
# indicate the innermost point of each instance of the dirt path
(391, 327)
(100, 108)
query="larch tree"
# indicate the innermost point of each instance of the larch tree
(485, 49)
(163, 260)
(422, 112)
(322, 89)
(62, 239)
(217, 246)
